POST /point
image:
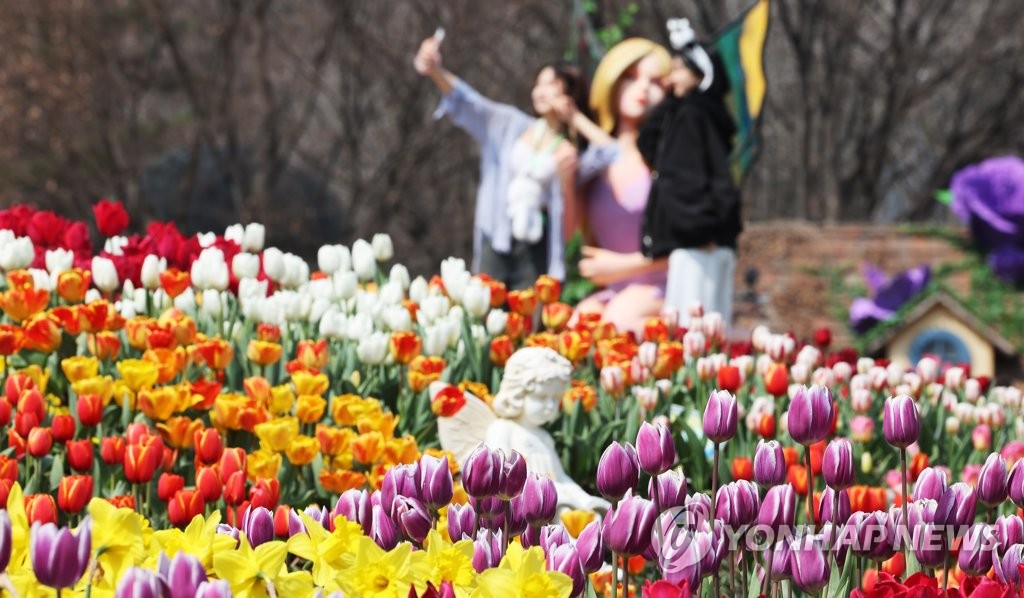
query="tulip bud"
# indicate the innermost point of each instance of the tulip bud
(141, 583)
(826, 512)
(1015, 485)
(481, 474)
(382, 530)
(900, 423)
(488, 550)
(977, 550)
(511, 476)
(655, 450)
(436, 479)
(720, 416)
(590, 545)
(931, 483)
(837, 464)
(40, 440)
(628, 526)
(412, 518)
(257, 525)
(811, 413)
(991, 487)
(400, 480)
(538, 500)
(671, 489)
(104, 274)
(1009, 530)
(617, 471)
(355, 506)
(778, 509)
(566, 559)
(769, 464)
(810, 566)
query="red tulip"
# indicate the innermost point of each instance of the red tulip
(234, 488)
(208, 445)
(74, 492)
(80, 454)
(208, 483)
(168, 485)
(141, 460)
(112, 450)
(90, 410)
(265, 493)
(111, 217)
(40, 440)
(63, 427)
(24, 421)
(232, 460)
(184, 506)
(41, 508)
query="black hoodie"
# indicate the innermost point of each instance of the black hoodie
(693, 200)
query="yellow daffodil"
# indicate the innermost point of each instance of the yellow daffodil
(310, 384)
(450, 562)
(330, 552)
(522, 573)
(251, 571)
(199, 539)
(19, 527)
(377, 573)
(120, 539)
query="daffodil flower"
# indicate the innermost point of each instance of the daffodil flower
(330, 553)
(522, 573)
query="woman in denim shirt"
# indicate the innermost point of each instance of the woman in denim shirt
(524, 160)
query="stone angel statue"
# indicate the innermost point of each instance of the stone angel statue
(529, 397)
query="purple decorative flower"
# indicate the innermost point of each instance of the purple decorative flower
(538, 501)
(719, 416)
(461, 522)
(782, 561)
(257, 525)
(965, 502)
(837, 464)
(900, 421)
(5, 540)
(769, 464)
(617, 471)
(989, 197)
(488, 549)
(827, 504)
(512, 476)
(654, 448)
(1015, 485)
(60, 556)
(627, 527)
(321, 515)
(412, 518)
(1009, 530)
(400, 480)
(931, 483)
(183, 574)
(1007, 567)
(888, 295)
(383, 531)
(737, 503)
(810, 566)
(141, 583)
(553, 535)
(991, 487)
(811, 413)
(214, 589)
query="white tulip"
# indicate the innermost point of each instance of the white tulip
(497, 319)
(296, 271)
(360, 326)
(345, 284)
(373, 349)
(328, 259)
(435, 340)
(273, 264)
(255, 236)
(391, 293)
(399, 274)
(161, 300)
(206, 239)
(235, 233)
(125, 308)
(212, 305)
(114, 245)
(104, 274)
(477, 298)
(6, 236)
(42, 279)
(210, 271)
(333, 324)
(152, 266)
(383, 249)
(59, 260)
(368, 303)
(92, 295)
(186, 301)
(249, 288)
(17, 254)
(322, 288)
(479, 333)
(363, 261)
(245, 265)
(418, 289)
(432, 308)
(398, 318)
(318, 308)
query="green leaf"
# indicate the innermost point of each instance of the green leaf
(944, 196)
(56, 471)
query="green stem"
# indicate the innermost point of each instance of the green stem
(906, 520)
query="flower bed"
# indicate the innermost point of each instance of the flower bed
(204, 410)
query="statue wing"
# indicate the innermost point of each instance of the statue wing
(462, 432)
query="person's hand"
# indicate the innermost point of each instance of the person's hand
(564, 108)
(566, 160)
(603, 267)
(428, 57)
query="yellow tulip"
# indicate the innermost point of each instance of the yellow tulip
(302, 450)
(278, 433)
(263, 463)
(310, 408)
(575, 520)
(138, 373)
(281, 399)
(79, 368)
(309, 384)
(101, 386)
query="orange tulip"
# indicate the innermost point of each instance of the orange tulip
(168, 485)
(523, 302)
(516, 326)
(21, 303)
(743, 469)
(207, 391)
(302, 450)
(181, 327)
(405, 346)
(174, 282)
(573, 346)
(548, 289)
(169, 363)
(258, 389)
(263, 353)
(367, 448)
(179, 432)
(543, 339)
(215, 353)
(555, 316)
(423, 371)
(11, 338)
(499, 292)
(501, 350)
(310, 408)
(231, 460)
(333, 441)
(268, 333)
(449, 401)
(670, 359)
(73, 284)
(776, 379)
(234, 488)
(137, 330)
(655, 330)
(184, 507)
(312, 355)
(74, 492)
(123, 501)
(42, 333)
(105, 346)
(160, 336)
(93, 317)
(580, 393)
(337, 482)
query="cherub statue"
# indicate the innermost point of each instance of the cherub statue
(530, 395)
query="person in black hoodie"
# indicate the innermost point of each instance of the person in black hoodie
(692, 219)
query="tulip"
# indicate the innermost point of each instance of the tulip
(1015, 485)
(977, 550)
(671, 489)
(810, 566)
(104, 274)
(1009, 530)
(183, 574)
(551, 536)
(40, 508)
(413, 519)
(992, 483)
(769, 464)
(60, 556)
(511, 476)
(400, 480)
(837, 464)
(355, 506)
(74, 492)
(655, 449)
(208, 445)
(778, 509)
(617, 471)
(931, 483)
(80, 454)
(1007, 566)
(719, 417)
(209, 484)
(184, 506)
(141, 460)
(257, 525)
(382, 530)
(827, 508)
(462, 522)
(566, 559)
(40, 440)
(811, 413)
(436, 481)
(737, 503)
(6, 540)
(141, 583)
(590, 545)
(220, 588)
(627, 527)
(965, 500)
(538, 501)
(900, 423)
(488, 550)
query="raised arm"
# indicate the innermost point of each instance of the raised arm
(428, 64)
